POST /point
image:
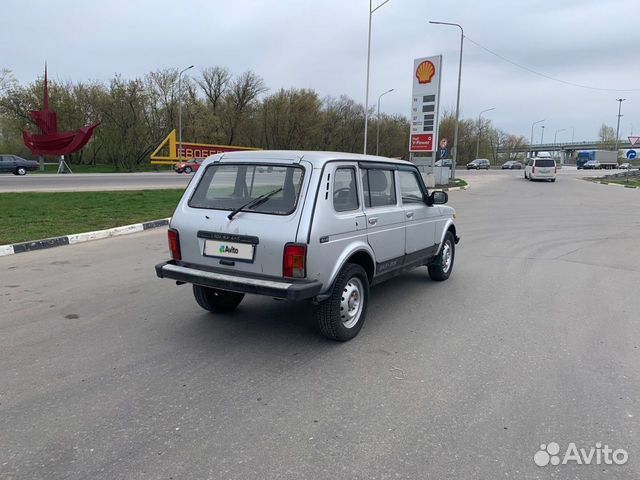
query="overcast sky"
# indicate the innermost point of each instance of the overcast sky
(322, 44)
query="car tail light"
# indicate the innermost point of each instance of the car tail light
(533, 169)
(174, 244)
(294, 261)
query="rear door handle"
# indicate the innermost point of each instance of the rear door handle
(409, 214)
(373, 220)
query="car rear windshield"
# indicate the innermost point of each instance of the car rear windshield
(227, 187)
(545, 162)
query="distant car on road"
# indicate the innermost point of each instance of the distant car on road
(189, 166)
(445, 162)
(478, 164)
(511, 165)
(541, 169)
(625, 166)
(16, 165)
(591, 165)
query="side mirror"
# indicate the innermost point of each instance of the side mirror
(437, 197)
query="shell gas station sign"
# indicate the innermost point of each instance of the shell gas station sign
(167, 152)
(425, 103)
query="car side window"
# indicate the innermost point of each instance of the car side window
(379, 187)
(345, 190)
(410, 187)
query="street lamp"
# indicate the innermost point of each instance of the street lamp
(619, 100)
(366, 99)
(480, 129)
(573, 132)
(531, 141)
(555, 137)
(455, 130)
(378, 126)
(180, 110)
(542, 135)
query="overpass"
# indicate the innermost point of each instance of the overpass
(567, 149)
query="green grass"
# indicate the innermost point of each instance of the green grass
(107, 169)
(456, 182)
(633, 182)
(36, 215)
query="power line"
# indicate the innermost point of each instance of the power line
(548, 77)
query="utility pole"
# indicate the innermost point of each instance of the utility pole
(480, 129)
(531, 141)
(180, 111)
(542, 135)
(619, 100)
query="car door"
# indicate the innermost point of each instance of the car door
(384, 215)
(421, 219)
(2, 164)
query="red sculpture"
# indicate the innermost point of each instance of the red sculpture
(52, 142)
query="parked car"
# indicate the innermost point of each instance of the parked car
(189, 166)
(511, 165)
(478, 164)
(591, 165)
(17, 165)
(312, 225)
(541, 169)
(444, 162)
(625, 166)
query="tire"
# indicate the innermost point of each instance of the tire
(217, 301)
(21, 171)
(350, 295)
(553, 179)
(441, 267)
(187, 170)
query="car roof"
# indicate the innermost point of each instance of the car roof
(316, 158)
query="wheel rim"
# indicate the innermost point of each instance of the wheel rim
(21, 171)
(447, 256)
(351, 302)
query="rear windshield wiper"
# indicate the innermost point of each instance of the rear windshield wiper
(254, 203)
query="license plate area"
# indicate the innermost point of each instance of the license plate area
(239, 248)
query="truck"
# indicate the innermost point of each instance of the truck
(607, 159)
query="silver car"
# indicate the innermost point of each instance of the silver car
(306, 225)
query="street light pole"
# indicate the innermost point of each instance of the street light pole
(555, 137)
(180, 111)
(542, 135)
(531, 141)
(378, 125)
(480, 129)
(455, 130)
(619, 100)
(366, 99)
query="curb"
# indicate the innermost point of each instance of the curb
(451, 189)
(81, 237)
(616, 185)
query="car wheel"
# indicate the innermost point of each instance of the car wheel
(187, 169)
(21, 171)
(341, 316)
(442, 266)
(217, 301)
(553, 179)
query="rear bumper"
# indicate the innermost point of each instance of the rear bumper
(225, 280)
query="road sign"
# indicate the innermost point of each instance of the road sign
(633, 141)
(443, 153)
(425, 104)
(632, 154)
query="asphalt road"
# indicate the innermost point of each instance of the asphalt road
(108, 372)
(87, 182)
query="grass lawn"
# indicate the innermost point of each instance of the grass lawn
(36, 215)
(106, 169)
(633, 182)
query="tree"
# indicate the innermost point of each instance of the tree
(606, 137)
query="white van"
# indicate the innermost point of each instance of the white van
(541, 169)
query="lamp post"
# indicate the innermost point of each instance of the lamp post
(531, 141)
(542, 135)
(480, 129)
(378, 126)
(619, 100)
(366, 99)
(180, 110)
(455, 130)
(573, 131)
(555, 137)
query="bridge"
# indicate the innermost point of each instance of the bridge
(567, 149)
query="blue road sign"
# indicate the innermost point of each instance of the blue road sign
(443, 153)
(632, 154)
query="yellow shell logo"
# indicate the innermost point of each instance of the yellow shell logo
(425, 72)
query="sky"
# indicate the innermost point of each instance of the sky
(322, 45)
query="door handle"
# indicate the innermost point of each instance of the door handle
(372, 220)
(409, 214)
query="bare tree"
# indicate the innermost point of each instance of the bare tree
(214, 82)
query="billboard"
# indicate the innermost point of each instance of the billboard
(425, 103)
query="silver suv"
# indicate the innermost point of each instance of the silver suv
(306, 225)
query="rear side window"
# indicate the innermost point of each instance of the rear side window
(379, 187)
(409, 187)
(345, 191)
(227, 187)
(545, 162)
